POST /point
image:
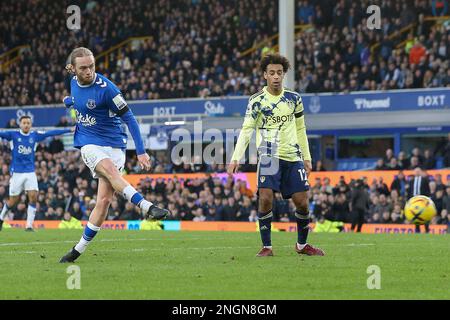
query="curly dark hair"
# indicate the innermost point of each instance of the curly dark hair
(274, 58)
(24, 117)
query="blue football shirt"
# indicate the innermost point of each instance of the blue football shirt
(23, 147)
(97, 106)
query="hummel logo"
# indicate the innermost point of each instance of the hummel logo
(264, 228)
(101, 83)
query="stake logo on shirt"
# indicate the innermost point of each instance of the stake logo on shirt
(86, 120)
(24, 150)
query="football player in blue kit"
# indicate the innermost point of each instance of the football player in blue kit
(23, 144)
(100, 109)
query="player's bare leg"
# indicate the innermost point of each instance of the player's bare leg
(265, 202)
(105, 195)
(302, 216)
(31, 210)
(108, 170)
(7, 206)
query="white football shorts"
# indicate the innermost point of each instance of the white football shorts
(22, 181)
(93, 154)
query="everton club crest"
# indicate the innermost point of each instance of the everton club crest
(90, 104)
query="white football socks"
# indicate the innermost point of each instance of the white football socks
(31, 213)
(135, 197)
(88, 234)
(5, 211)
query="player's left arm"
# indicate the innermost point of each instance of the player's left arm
(119, 106)
(302, 138)
(7, 135)
(41, 135)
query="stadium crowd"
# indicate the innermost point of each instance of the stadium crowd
(190, 41)
(341, 54)
(196, 45)
(426, 160)
(66, 186)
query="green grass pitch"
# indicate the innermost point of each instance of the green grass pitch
(222, 265)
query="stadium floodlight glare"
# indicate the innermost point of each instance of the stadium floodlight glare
(174, 123)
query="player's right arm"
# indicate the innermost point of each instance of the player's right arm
(7, 135)
(68, 101)
(250, 119)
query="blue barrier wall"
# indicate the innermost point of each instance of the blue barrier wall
(398, 100)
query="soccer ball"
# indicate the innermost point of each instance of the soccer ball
(420, 210)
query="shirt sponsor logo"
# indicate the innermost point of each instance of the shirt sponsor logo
(86, 120)
(279, 119)
(24, 150)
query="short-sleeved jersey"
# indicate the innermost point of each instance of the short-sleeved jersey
(23, 147)
(96, 106)
(274, 118)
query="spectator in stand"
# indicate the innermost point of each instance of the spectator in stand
(319, 166)
(429, 162)
(305, 12)
(438, 198)
(416, 153)
(340, 208)
(381, 165)
(386, 217)
(381, 187)
(12, 124)
(393, 164)
(389, 156)
(403, 162)
(414, 163)
(439, 7)
(419, 185)
(446, 153)
(198, 215)
(130, 213)
(417, 52)
(245, 210)
(400, 184)
(396, 215)
(442, 218)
